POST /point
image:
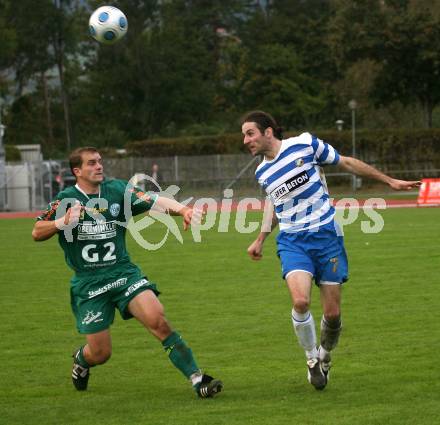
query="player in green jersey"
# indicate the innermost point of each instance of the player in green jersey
(90, 219)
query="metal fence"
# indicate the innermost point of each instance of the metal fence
(28, 185)
(205, 175)
(31, 185)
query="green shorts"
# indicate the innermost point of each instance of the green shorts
(95, 298)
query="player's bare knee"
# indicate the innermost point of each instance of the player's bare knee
(164, 328)
(333, 317)
(301, 305)
(159, 326)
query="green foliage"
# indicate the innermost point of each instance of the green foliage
(401, 37)
(391, 149)
(203, 130)
(198, 145)
(193, 67)
(23, 123)
(276, 82)
(411, 61)
(33, 23)
(12, 153)
(108, 137)
(8, 36)
(356, 31)
(304, 26)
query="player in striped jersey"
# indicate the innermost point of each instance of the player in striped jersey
(309, 243)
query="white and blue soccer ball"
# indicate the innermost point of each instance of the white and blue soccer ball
(108, 24)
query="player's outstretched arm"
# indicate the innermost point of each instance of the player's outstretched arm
(44, 230)
(360, 168)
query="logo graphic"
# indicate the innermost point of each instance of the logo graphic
(264, 183)
(51, 210)
(299, 162)
(290, 185)
(93, 211)
(135, 227)
(116, 284)
(335, 264)
(83, 210)
(114, 209)
(91, 317)
(89, 230)
(132, 288)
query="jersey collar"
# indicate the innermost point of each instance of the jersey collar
(84, 193)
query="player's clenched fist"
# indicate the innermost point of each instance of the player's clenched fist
(255, 250)
(74, 214)
(71, 218)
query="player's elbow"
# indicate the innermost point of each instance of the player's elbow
(36, 235)
(346, 162)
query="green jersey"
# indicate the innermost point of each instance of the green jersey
(97, 243)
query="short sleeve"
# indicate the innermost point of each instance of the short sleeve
(324, 153)
(49, 213)
(141, 201)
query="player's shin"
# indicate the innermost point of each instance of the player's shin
(181, 356)
(304, 327)
(80, 370)
(80, 359)
(330, 331)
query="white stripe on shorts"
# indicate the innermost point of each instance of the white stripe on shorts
(297, 270)
(325, 282)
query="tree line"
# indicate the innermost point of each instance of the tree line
(192, 67)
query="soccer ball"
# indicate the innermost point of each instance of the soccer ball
(108, 24)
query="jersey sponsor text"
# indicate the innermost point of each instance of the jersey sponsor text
(96, 231)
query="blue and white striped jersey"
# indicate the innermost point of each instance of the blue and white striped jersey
(296, 184)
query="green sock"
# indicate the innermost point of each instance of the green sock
(79, 358)
(180, 354)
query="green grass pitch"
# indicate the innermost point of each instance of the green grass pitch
(235, 315)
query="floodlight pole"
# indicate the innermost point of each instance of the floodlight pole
(339, 125)
(353, 105)
(2, 164)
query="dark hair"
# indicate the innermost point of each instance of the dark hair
(263, 121)
(75, 158)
